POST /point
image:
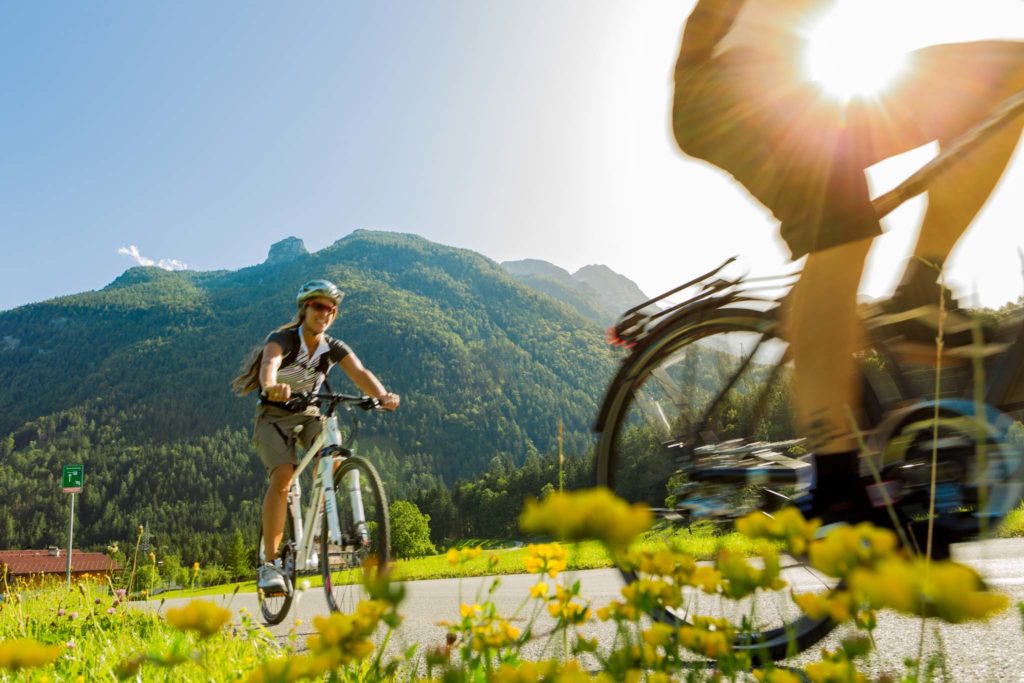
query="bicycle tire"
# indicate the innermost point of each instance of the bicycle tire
(274, 607)
(677, 347)
(343, 566)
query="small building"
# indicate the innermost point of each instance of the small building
(31, 565)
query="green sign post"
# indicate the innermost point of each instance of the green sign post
(71, 481)
(71, 478)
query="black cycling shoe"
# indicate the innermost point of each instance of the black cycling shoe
(920, 287)
(839, 495)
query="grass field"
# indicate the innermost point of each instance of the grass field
(702, 543)
(1013, 525)
(87, 631)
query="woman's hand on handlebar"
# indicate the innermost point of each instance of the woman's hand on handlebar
(278, 393)
(389, 401)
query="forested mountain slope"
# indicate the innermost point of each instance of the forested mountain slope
(595, 292)
(132, 381)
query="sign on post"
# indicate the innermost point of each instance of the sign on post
(71, 482)
(71, 478)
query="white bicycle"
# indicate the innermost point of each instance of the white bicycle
(346, 521)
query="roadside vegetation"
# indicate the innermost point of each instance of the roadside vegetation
(88, 632)
(702, 543)
(1013, 525)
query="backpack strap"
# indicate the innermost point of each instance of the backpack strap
(290, 347)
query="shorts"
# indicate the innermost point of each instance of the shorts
(803, 155)
(786, 143)
(274, 437)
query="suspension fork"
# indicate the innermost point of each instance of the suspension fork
(330, 505)
(332, 456)
(295, 510)
(351, 483)
(358, 513)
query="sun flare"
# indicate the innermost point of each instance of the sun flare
(850, 53)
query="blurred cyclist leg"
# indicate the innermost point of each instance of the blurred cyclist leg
(804, 158)
(949, 89)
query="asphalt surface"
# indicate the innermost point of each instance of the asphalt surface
(982, 652)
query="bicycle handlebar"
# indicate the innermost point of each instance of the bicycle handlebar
(305, 399)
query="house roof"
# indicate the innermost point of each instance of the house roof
(43, 562)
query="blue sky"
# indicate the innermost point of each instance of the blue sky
(201, 133)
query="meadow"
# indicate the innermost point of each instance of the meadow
(88, 632)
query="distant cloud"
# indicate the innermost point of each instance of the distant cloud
(166, 263)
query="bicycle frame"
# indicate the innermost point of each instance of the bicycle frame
(328, 445)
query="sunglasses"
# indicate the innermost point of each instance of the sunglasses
(323, 308)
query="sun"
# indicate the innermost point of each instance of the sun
(853, 51)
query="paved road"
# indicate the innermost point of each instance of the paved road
(979, 653)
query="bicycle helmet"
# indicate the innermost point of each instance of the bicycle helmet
(317, 288)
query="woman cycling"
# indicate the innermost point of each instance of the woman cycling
(296, 358)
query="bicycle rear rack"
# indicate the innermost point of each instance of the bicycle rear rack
(636, 323)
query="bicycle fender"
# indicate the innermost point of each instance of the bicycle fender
(663, 334)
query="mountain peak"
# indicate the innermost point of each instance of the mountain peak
(596, 291)
(537, 267)
(288, 249)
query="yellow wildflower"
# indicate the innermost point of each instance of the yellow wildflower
(740, 578)
(628, 662)
(493, 634)
(707, 578)
(826, 671)
(787, 525)
(549, 558)
(345, 638)
(642, 596)
(563, 606)
(775, 676)
(25, 653)
(200, 616)
(659, 635)
(470, 610)
(294, 668)
(837, 606)
(551, 671)
(462, 555)
(675, 567)
(525, 672)
(708, 636)
(846, 548)
(592, 513)
(539, 590)
(947, 590)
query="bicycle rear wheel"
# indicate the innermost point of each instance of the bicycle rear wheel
(680, 432)
(363, 543)
(275, 606)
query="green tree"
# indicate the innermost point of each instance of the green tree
(410, 530)
(237, 557)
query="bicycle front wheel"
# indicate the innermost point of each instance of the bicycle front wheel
(365, 534)
(275, 605)
(681, 424)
